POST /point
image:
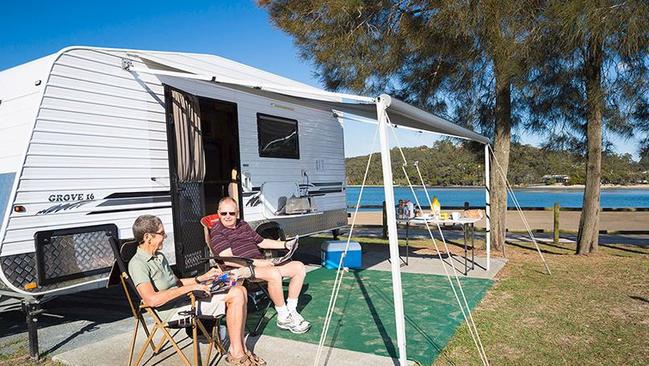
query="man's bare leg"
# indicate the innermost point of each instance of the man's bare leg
(273, 276)
(296, 272)
(235, 315)
(287, 315)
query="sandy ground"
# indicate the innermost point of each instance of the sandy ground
(568, 220)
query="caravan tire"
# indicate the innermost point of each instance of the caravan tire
(275, 233)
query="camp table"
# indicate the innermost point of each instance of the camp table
(468, 228)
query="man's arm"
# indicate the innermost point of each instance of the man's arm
(205, 277)
(272, 244)
(155, 298)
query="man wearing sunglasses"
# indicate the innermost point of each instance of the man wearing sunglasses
(233, 237)
(159, 287)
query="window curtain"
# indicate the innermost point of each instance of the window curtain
(189, 141)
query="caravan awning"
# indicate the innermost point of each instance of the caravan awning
(183, 73)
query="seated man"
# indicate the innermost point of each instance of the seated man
(160, 288)
(232, 237)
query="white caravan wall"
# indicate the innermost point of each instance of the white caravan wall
(19, 99)
(99, 131)
(20, 95)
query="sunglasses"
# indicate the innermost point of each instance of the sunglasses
(226, 213)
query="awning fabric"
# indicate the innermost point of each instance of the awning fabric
(266, 84)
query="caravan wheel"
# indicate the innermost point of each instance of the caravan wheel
(275, 233)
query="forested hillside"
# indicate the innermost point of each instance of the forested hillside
(447, 164)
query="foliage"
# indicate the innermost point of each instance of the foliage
(565, 68)
(463, 59)
(590, 80)
(439, 56)
(450, 164)
(572, 34)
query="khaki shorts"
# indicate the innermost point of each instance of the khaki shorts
(206, 307)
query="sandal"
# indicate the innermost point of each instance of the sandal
(239, 361)
(256, 359)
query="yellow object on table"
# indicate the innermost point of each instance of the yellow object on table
(443, 215)
(436, 207)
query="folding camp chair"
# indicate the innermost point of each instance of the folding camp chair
(123, 253)
(254, 285)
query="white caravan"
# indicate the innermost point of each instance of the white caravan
(91, 138)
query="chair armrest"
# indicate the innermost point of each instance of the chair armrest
(244, 262)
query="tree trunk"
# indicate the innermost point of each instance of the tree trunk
(588, 236)
(501, 147)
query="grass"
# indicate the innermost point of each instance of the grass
(591, 311)
(16, 353)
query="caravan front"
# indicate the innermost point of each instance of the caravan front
(91, 138)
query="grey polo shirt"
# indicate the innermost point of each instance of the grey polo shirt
(144, 267)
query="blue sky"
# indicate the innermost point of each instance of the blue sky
(236, 29)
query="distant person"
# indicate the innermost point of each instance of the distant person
(160, 288)
(233, 237)
(400, 210)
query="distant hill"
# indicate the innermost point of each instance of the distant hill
(449, 164)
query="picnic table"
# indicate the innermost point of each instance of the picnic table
(468, 228)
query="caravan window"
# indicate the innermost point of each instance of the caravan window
(278, 137)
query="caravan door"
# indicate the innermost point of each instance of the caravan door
(187, 173)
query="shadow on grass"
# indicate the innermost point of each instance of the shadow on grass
(544, 251)
(617, 247)
(639, 299)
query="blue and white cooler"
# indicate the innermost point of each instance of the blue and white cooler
(332, 250)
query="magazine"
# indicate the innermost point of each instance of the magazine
(223, 283)
(292, 247)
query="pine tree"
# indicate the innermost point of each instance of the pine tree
(464, 59)
(590, 79)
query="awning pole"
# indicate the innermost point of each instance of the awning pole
(395, 260)
(487, 181)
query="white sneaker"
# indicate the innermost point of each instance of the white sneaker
(294, 322)
(299, 318)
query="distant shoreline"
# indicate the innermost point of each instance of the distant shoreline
(531, 187)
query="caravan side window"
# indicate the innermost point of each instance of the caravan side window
(278, 137)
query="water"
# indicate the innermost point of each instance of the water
(527, 197)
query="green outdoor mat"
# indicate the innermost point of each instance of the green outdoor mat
(363, 320)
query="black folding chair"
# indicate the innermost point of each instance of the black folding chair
(252, 284)
(123, 252)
